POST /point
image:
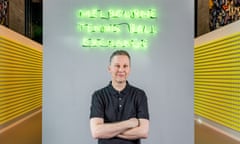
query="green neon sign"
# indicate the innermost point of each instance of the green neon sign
(111, 43)
(117, 28)
(118, 13)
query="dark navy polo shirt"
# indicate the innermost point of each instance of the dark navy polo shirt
(114, 106)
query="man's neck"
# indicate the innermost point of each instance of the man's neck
(119, 86)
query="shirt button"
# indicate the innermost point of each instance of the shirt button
(120, 98)
(120, 106)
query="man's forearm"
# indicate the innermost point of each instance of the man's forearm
(129, 137)
(109, 130)
(136, 133)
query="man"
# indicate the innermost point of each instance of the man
(119, 111)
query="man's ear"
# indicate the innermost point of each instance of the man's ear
(109, 68)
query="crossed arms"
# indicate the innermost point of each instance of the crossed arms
(129, 129)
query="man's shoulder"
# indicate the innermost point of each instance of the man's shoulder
(134, 88)
(102, 90)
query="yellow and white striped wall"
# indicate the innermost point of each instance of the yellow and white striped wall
(20, 76)
(217, 76)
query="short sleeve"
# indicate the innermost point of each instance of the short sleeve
(142, 110)
(96, 108)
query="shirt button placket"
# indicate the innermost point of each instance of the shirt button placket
(120, 102)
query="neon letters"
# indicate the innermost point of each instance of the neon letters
(117, 28)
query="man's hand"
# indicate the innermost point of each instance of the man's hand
(140, 131)
(134, 122)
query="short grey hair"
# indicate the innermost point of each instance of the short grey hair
(119, 52)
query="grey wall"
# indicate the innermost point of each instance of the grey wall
(71, 73)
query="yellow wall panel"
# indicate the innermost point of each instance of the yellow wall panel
(217, 81)
(20, 79)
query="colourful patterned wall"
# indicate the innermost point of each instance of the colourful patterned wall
(223, 12)
(4, 8)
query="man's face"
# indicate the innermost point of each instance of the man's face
(119, 68)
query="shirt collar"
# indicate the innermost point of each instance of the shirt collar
(115, 92)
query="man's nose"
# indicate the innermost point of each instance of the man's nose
(121, 69)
